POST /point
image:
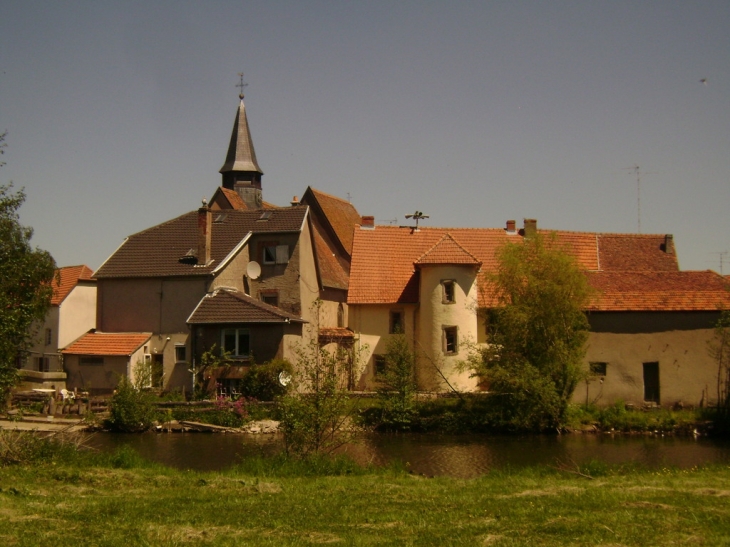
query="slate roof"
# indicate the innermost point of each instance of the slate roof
(383, 268)
(156, 251)
(660, 291)
(340, 214)
(241, 155)
(107, 343)
(231, 306)
(68, 278)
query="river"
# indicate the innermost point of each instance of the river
(462, 456)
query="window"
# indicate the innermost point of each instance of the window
(43, 364)
(236, 342)
(270, 297)
(490, 321)
(91, 361)
(396, 322)
(451, 343)
(651, 382)
(449, 291)
(598, 369)
(180, 353)
(378, 365)
(48, 337)
(275, 254)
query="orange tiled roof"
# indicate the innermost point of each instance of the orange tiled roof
(68, 278)
(383, 271)
(331, 271)
(107, 343)
(660, 291)
(234, 199)
(340, 214)
(637, 252)
(447, 251)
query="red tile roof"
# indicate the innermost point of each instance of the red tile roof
(331, 272)
(340, 214)
(157, 250)
(383, 271)
(234, 200)
(68, 278)
(230, 306)
(447, 251)
(108, 343)
(660, 291)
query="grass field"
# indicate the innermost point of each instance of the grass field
(125, 502)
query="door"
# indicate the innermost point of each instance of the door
(651, 382)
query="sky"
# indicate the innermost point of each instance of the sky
(119, 113)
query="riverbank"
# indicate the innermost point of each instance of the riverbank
(127, 502)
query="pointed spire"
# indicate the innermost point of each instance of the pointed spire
(241, 171)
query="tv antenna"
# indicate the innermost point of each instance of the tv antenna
(638, 172)
(722, 255)
(418, 215)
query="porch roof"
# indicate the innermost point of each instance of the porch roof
(230, 306)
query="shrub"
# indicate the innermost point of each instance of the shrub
(262, 381)
(131, 409)
(397, 386)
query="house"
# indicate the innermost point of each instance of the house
(72, 313)
(97, 360)
(238, 273)
(650, 323)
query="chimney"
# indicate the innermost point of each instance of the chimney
(530, 227)
(205, 222)
(368, 223)
(294, 201)
(669, 244)
(511, 226)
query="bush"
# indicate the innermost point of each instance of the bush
(131, 409)
(397, 386)
(262, 381)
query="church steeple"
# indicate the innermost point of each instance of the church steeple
(241, 171)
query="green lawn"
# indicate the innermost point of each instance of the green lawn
(65, 505)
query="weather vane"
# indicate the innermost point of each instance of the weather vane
(418, 215)
(241, 85)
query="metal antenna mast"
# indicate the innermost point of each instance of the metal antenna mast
(722, 255)
(638, 172)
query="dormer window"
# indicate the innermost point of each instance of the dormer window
(449, 291)
(275, 254)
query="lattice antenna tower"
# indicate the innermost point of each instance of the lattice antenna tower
(722, 255)
(638, 172)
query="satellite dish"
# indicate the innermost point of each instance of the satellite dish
(284, 378)
(253, 270)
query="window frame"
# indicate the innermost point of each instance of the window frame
(238, 332)
(379, 365)
(394, 324)
(178, 349)
(598, 368)
(448, 291)
(91, 361)
(447, 332)
(266, 295)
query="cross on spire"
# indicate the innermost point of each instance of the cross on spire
(241, 85)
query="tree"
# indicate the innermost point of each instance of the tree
(537, 334)
(719, 349)
(397, 385)
(26, 275)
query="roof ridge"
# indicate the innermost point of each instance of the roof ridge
(320, 192)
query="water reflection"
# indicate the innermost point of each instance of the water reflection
(454, 455)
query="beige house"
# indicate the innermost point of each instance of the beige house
(650, 323)
(239, 274)
(72, 313)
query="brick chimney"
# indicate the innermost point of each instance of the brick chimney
(511, 226)
(205, 226)
(669, 244)
(530, 227)
(367, 223)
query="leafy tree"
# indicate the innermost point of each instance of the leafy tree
(397, 385)
(262, 382)
(131, 408)
(538, 334)
(25, 284)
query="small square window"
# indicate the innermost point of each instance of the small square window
(598, 369)
(180, 353)
(378, 365)
(449, 291)
(271, 298)
(396, 322)
(451, 342)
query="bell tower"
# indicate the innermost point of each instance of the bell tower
(241, 171)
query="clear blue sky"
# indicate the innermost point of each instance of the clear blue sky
(119, 113)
